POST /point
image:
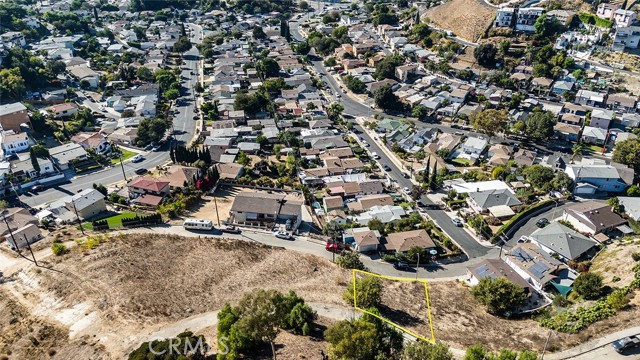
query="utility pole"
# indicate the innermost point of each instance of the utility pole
(114, 147)
(216, 204)
(77, 216)
(4, 217)
(418, 266)
(29, 247)
(545, 345)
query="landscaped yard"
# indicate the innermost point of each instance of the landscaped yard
(113, 221)
(595, 148)
(125, 155)
(462, 162)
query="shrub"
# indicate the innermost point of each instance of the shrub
(500, 296)
(588, 285)
(58, 249)
(615, 279)
(350, 260)
(368, 292)
(636, 256)
(560, 301)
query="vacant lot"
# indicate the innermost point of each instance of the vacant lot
(467, 19)
(131, 287)
(615, 262)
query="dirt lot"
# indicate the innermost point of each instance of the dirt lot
(616, 261)
(460, 321)
(130, 287)
(467, 19)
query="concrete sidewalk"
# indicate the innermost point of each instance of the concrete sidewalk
(593, 345)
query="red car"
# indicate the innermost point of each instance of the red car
(336, 247)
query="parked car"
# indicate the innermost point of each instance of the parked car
(230, 229)
(405, 175)
(623, 344)
(406, 189)
(137, 158)
(141, 171)
(386, 167)
(283, 235)
(36, 188)
(401, 265)
(375, 155)
(457, 222)
(336, 247)
(523, 239)
(542, 222)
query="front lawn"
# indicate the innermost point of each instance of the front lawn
(113, 221)
(595, 148)
(462, 162)
(126, 154)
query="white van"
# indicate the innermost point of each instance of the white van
(198, 224)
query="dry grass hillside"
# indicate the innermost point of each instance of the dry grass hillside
(467, 19)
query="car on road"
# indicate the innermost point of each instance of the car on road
(386, 167)
(155, 148)
(141, 171)
(406, 189)
(375, 155)
(406, 176)
(459, 133)
(137, 158)
(523, 239)
(542, 222)
(195, 117)
(36, 188)
(623, 344)
(401, 265)
(192, 73)
(283, 235)
(457, 222)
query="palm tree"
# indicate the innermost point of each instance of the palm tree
(577, 150)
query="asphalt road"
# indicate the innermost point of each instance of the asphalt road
(183, 123)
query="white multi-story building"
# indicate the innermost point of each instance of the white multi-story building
(606, 10)
(505, 17)
(626, 37)
(527, 17)
(624, 18)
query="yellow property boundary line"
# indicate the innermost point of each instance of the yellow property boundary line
(426, 292)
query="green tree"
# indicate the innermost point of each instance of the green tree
(539, 125)
(243, 159)
(182, 44)
(350, 260)
(588, 285)
(303, 48)
(34, 161)
(485, 54)
(375, 224)
(303, 5)
(491, 121)
(334, 111)
(12, 84)
(500, 296)
(633, 190)
(562, 181)
(539, 176)
(143, 73)
(368, 292)
(259, 317)
(422, 350)
(386, 100)
(171, 94)
(269, 67)
(576, 150)
(333, 230)
(151, 130)
(258, 33)
(628, 152)
(354, 84)
(420, 112)
(173, 348)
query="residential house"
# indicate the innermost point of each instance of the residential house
(85, 73)
(497, 268)
(95, 141)
(626, 38)
(402, 242)
(260, 208)
(563, 16)
(561, 87)
(589, 98)
(524, 157)
(332, 203)
(404, 72)
(465, 187)
(535, 265)
(629, 120)
(14, 143)
(485, 201)
(599, 177)
(621, 103)
(385, 214)
(606, 10)
(229, 170)
(499, 154)
(631, 206)
(624, 18)
(63, 110)
(363, 239)
(601, 118)
(474, 146)
(365, 203)
(565, 131)
(64, 155)
(21, 223)
(13, 115)
(556, 238)
(23, 169)
(148, 191)
(86, 204)
(179, 176)
(593, 217)
(594, 135)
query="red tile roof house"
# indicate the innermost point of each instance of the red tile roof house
(147, 191)
(94, 141)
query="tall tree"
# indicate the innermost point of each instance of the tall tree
(491, 121)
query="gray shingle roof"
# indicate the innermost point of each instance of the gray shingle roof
(563, 240)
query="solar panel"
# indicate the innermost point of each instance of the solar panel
(538, 269)
(522, 255)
